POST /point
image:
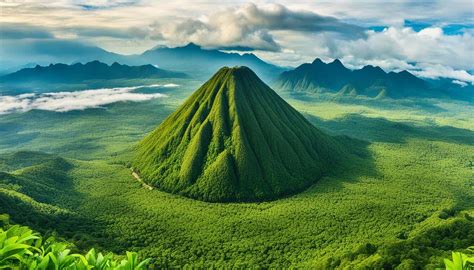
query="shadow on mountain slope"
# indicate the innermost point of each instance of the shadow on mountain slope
(37, 190)
(383, 130)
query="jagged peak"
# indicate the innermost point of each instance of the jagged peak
(192, 45)
(318, 61)
(405, 73)
(373, 68)
(336, 62)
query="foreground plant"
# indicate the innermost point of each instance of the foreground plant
(21, 248)
(460, 261)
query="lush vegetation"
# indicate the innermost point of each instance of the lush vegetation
(460, 261)
(234, 139)
(407, 202)
(21, 248)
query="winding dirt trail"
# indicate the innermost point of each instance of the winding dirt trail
(134, 174)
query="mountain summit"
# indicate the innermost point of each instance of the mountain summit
(234, 139)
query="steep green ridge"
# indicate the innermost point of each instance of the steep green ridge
(235, 139)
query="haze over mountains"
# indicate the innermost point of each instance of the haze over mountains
(235, 139)
(45, 52)
(317, 77)
(192, 59)
(201, 63)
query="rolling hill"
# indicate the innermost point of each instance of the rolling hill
(235, 139)
(95, 70)
(317, 77)
(32, 187)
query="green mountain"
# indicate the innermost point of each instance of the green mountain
(235, 139)
(95, 70)
(369, 81)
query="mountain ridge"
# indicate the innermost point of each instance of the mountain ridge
(89, 71)
(204, 62)
(334, 76)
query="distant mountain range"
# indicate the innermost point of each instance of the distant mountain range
(44, 52)
(95, 70)
(192, 59)
(318, 77)
(202, 62)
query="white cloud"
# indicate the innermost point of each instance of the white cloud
(249, 26)
(428, 53)
(440, 71)
(429, 46)
(169, 85)
(462, 84)
(297, 31)
(76, 100)
(391, 13)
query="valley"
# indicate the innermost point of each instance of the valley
(412, 184)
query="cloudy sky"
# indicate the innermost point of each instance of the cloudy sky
(429, 38)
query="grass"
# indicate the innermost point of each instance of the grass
(410, 205)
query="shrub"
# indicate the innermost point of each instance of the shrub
(460, 261)
(21, 248)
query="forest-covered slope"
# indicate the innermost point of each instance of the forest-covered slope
(235, 139)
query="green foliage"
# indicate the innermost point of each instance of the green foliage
(235, 139)
(21, 248)
(420, 251)
(44, 181)
(460, 261)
